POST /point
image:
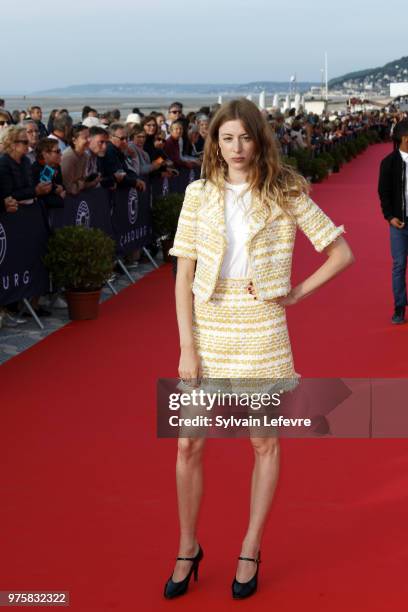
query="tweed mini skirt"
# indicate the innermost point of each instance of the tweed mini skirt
(237, 336)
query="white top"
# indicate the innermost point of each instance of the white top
(405, 158)
(62, 145)
(236, 263)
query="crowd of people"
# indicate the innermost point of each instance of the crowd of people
(320, 133)
(49, 161)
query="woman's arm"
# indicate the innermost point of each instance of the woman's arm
(184, 248)
(172, 149)
(21, 190)
(340, 257)
(189, 365)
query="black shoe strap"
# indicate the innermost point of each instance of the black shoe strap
(249, 559)
(188, 558)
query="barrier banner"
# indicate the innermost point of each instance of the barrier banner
(131, 219)
(178, 184)
(23, 244)
(91, 208)
(159, 187)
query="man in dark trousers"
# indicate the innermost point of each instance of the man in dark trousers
(393, 192)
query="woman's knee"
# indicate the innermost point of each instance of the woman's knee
(190, 448)
(265, 446)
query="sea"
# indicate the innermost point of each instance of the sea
(74, 104)
(146, 104)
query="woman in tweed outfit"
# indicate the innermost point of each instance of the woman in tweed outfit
(234, 242)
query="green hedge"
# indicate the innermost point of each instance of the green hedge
(317, 168)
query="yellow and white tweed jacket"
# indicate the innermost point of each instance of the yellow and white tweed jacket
(201, 235)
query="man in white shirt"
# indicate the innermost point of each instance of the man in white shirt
(174, 114)
(61, 131)
(393, 192)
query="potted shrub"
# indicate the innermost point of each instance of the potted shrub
(166, 212)
(80, 260)
(329, 159)
(290, 161)
(345, 152)
(319, 170)
(352, 149)
(373, 136)
(338, 159)
(304, 161)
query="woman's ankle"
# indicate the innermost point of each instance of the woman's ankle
(251, 545)
(188, 546)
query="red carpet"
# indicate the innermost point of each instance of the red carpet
(87, 490)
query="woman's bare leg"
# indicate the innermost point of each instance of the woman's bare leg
(189, 478)
(264, 479)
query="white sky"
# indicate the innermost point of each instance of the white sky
(47, 43)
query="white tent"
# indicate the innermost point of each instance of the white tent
(297, 102)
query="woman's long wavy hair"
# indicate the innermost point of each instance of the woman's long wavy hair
(273, 180)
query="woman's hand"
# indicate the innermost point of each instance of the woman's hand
(95, 182)
(119, 175)
(59, 190)
(286, 300)
(10, 204)
(43, 188)
(157, 163)
(339, 257)
(251, 289)
(190, 364)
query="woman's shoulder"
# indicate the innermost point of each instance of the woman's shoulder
(4, 160)
(68, 153)
(195, 187)
(36, 168)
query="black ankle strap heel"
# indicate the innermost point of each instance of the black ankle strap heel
(241, 590)
(175, 589)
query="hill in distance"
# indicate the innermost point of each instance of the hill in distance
(375, 80)
(166, 89)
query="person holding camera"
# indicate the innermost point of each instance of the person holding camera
(117, 162)
(98, 144)
(47, 167)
